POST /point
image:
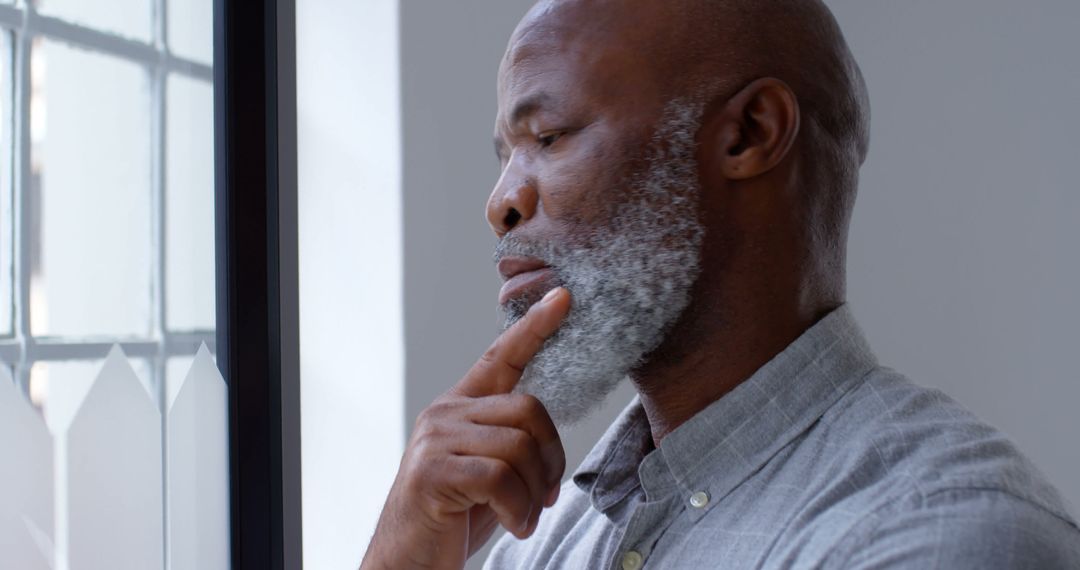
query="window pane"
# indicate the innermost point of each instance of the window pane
(189, 184)
(176, 369)
(91, 271)
(58, 387)
(7, 163)
(191, 29)
(130, 18)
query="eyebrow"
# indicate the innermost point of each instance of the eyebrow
(525, 107)
(529, 105)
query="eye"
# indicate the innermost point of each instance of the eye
(549, 138)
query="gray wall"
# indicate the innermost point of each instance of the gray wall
(449, 56)
(964, 261)
(963, 264)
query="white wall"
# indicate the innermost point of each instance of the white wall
(350, 271)
(963, 263)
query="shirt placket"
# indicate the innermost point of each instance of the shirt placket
(657, 511)
(646, 525)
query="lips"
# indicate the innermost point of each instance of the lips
(524, 276)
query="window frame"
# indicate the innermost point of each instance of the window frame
(257, 275)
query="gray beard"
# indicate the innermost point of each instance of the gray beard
(630, 281)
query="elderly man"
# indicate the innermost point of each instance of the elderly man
(678, 178)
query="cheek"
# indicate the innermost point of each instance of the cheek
(581, 185)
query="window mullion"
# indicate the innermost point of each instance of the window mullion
(160, 219)
(158, 201)
(11, 17)
(21, 189)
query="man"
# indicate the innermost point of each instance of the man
(678, 178)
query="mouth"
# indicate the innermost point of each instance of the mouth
(524, 277)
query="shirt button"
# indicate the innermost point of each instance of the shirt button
(632, 560)
(699, 500)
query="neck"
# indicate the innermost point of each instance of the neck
(716, 346)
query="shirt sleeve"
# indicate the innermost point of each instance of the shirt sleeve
(961, 529)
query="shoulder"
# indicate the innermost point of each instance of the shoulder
(901, 436)
(960, 527)
(937, 487)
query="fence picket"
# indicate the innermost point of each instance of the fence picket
(113, 478)
(26, 490)
(198, 468)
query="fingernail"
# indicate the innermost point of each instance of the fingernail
(550, 295)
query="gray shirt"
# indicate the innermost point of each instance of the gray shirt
(822, 459)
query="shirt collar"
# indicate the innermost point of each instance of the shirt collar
(733, 437)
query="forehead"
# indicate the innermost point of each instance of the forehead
(572, 49)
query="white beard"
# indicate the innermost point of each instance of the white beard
(630, 282)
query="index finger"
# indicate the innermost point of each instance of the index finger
(501, 366)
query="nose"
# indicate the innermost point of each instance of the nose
(513, 201)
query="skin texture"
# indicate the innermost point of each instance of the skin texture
(581, 89)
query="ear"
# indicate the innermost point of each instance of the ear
(755, 129)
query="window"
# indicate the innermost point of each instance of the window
(112, 164)
(106, 189)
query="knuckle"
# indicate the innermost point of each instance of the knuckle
(435, 413)
(472, 470)
(531, 334)
(523, 449)
(530, 406)
(424, 418)
(499, 475)
(521, 443)
(426, 439)
(442, 406)
(491, 356)
(425, 429)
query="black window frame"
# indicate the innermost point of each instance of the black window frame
(257, 280)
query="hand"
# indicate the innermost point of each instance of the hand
(479, 457)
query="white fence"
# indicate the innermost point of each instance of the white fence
(114, 484)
